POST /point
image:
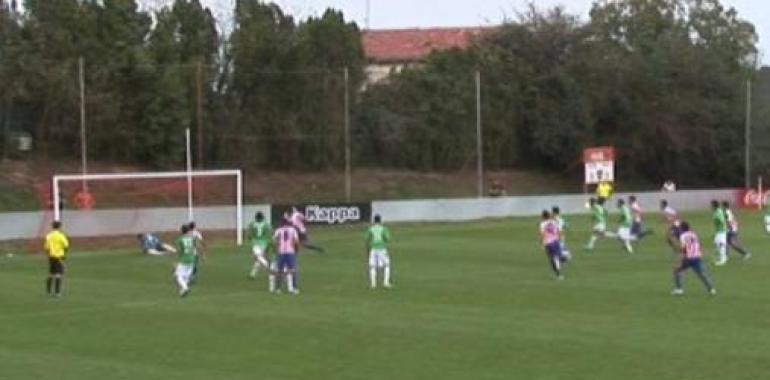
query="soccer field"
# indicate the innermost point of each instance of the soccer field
(471, 301)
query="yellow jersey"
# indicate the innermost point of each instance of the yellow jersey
(604, 190)
(56, 244)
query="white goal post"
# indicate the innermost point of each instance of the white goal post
(58, 179)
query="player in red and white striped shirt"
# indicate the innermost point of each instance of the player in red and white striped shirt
(286, 241)
(637, 230)
(550, 237)
(691, 258)
(732, 231)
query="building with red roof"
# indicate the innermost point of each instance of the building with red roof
(390, 50)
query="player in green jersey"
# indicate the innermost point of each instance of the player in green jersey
(720, 232)
(377, 239)
(624, 225)
(598, 221)
(260, 235)
(186, 253)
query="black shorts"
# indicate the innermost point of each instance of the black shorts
(55, 265)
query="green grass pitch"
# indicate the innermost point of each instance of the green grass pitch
(471, 301)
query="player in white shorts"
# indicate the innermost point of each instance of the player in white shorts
(377, 239)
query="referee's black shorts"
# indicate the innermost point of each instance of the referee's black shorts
(55, 265)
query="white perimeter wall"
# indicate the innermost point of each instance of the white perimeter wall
(26, 225)
(470, 209)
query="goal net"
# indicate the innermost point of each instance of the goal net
(125, 204)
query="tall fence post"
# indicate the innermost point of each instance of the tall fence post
(347, 137)
(747, 142)
(479, 139)
(83, 138)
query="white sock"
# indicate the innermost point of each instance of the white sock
(181, 282)
(271, 282)
(629, 248)
(255, 269)
(373, 277)
(592, 241)
(611, 234)
(722, 252)
(386, 274)
(290, 282)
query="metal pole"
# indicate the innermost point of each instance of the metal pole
(368, 14)
(747, 142)
(190, 216)
(199, 110)
(83, 142)
(239, 208)
(347, 136)
(479, 145)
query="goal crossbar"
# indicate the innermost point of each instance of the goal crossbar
(58, 178)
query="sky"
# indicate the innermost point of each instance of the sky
(429, 13)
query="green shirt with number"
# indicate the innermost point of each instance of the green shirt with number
(185, 248)
(720, 221)
(377, 237)
(260, 233)
(625, 216)
(598, 214)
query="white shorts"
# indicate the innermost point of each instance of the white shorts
(624, 233)
(258, 251)
(720, 238)
(183, 270)
(379, 258)
(600, 227)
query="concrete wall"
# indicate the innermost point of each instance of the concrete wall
(25, 225)
(470, 209)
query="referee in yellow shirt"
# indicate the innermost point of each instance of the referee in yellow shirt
(56, 245)
(604, 190)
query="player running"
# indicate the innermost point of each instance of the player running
(297, 219)
(563, 226)
(691, 258)
(599, 221)
(720, 232)
(549, 237)
(260, 234)
(671, 217)
(286, 239)
(56, 246)
(732, 231)
(637, 230)
(186, 254)
(377, 239)
(624, 226)
(200, 248)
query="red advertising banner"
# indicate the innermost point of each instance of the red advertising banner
(751, 198)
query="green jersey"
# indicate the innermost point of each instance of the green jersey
(598, 214)
(260, 233)
(720, 221)
(378, 237)
(625, 216)
(563, 225)
(185, 249)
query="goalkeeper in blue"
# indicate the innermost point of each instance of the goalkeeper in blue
(377, 240)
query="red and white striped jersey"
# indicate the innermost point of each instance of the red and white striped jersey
(637, 211)
(286, 239)
(549, 231)
(690, 245)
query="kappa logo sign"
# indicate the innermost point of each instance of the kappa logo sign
(332, 215)
(327, 213)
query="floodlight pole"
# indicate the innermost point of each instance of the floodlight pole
(747, 142)
(479, 144)
(190, 216)
(83, 142)
(348, 190)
